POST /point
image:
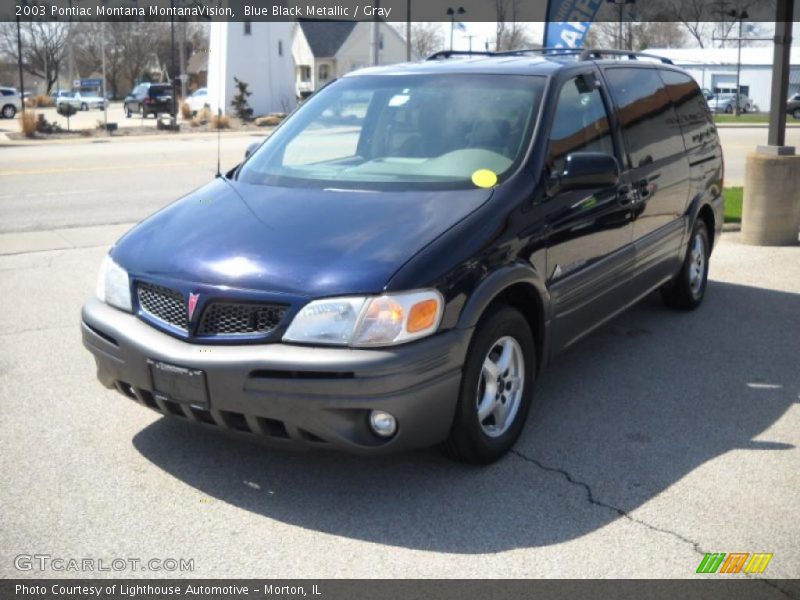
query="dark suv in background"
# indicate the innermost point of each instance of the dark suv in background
(149, 99)
(397, 263)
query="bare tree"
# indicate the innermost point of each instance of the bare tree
(43, 48)
(426, 38)
(509, 33)
(637, 36)
(137, 43)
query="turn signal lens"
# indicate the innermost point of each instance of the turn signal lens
(398, 318)
(373, 321)
(422, 315)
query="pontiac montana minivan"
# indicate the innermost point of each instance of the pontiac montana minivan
(395, 266)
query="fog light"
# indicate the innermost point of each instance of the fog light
(382, 423)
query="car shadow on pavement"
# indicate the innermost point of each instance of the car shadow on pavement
(628, 412)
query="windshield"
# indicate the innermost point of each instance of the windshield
(401, 132)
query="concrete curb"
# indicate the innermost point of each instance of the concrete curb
(752, 125)
(5, 142)
(61, 239)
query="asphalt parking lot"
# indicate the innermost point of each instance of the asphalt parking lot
(661, 437)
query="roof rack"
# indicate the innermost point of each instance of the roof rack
(452, 53)
(583, 53)
(590, 53)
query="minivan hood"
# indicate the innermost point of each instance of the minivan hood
(299, 241)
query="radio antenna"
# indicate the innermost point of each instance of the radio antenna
(219, 117)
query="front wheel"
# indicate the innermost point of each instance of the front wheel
(687, 290)
(728, 109)
(496, 389)
(84, 106)
(9, 110)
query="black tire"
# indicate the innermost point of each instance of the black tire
(686, 291)
(84, 106)
(728, 109)
(9, 111)
(468, 440)
(128, 112)
(796, 113)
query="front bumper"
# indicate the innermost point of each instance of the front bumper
(287, 394)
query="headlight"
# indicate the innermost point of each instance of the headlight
(113, 285)
(368, 321)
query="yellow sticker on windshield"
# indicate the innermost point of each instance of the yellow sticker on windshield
(484, 178)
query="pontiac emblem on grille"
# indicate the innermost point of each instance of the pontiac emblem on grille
(192, 304)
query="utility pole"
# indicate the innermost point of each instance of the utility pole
(452, 12)
(408, 30)
(375, 37)
(620, 4)
(103, 52)
(19, 58)
(739, 16)
(172, 60)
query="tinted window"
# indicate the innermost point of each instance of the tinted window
(7, 92)
(160, 90)
(649, 125)
(690, 107)
(580, 124)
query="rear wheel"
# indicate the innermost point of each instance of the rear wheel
(496, 389)
(84, 106)
(728, 109)
(9, 110)
(796, 113)
(687, 290)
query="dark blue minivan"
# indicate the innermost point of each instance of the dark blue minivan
(397, 263)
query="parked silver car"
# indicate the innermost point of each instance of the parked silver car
(724, 103)
(10, 102)
(82, 100)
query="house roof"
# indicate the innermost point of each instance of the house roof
(326, 37)
(198, 63)
(759, 55)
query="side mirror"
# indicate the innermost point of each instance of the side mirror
(587, 170)
(250, 149)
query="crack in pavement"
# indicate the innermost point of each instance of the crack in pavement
(626, 515)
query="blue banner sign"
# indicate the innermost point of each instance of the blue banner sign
(90, 83)
(568, 22)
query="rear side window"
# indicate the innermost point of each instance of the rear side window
(580, 124)
(649, 125)
(691, 109)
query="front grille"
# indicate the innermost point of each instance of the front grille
(164, 304)
(234, 318)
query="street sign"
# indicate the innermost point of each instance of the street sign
(89, 83)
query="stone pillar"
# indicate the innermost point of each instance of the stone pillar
(771, 205)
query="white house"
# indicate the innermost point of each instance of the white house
(258, 53)
(281, 61)
(325, 50)
(715, 69)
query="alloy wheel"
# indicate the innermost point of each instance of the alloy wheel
(500, 387)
